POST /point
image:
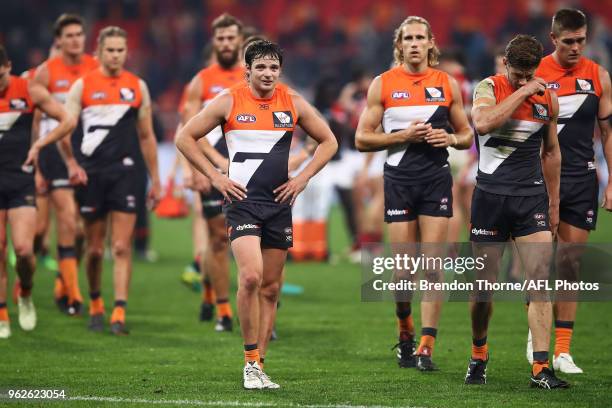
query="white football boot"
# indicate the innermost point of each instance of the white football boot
(565, 363)
(27, 313)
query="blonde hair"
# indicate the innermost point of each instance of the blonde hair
(398, 53)
(110, 31)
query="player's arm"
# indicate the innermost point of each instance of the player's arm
(213, 115)
(488, 115)
(367, 139)
(551, 164)
(148, 144)
(603, 118)
(47, 104)
(463, 136)
(315, 126)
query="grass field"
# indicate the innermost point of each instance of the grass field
(333, 349)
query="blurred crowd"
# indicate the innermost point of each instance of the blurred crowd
(325, 41)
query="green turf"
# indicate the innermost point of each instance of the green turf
(333, 349)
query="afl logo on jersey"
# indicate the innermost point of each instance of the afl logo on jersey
(96, 96)
(62, 83)
(540, 111)
(18, 104)
(400, 95)
(127, 94)
(553, 85)
(246, 118)
(215, 89)
(283, 119)
(434, 94)
(584, 86)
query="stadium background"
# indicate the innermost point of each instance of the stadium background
(333, 349)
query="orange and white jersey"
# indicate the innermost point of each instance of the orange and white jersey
(509, 160)
(407, 98)
(579, 90)
(215, 79)
(258, 134)
(16, 113)
(61, 77)
(109, 107)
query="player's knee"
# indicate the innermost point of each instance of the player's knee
(219, 242)
(271, 291)
(95, 253)
(121, 249)
(250, 281)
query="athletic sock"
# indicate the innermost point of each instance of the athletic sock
(563, 336)
(251, 353)
(480, 349)
(405, 323)
(261, 362)
(4, 317)
(428, 338)
(96, 305)
(119, 311)
(224, 308)
(208, 294)
(59, 289)
(540, 362)
(70, 273)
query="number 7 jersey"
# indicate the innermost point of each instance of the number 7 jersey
(258, 133)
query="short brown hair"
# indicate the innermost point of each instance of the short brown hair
(65, 20)
(524, 52)
(226, 20)
(568, 19)
(110, 31)
(398, 54)
(4, 59)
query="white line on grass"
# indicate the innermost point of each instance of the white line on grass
(214, 403)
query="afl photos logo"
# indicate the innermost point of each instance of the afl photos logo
(282, 119)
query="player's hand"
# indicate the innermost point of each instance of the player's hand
(42, 186)
(229, 188)
(553, 218)
(154, 195)
(607, 202)
(441, 138)
(201, 183)
(416, 132)
(32, 159)
(76, 174)
(224, 168)
(291, 189)
(535, 86)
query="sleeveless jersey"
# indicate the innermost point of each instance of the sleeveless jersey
(407, 98)
(109, 114)
(509, 160)
(579, 90)
(16, 113)
(61, 78)
(215, 80)
(258, 134)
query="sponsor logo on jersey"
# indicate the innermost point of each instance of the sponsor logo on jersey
(400, 94)
(553, 85)
(590, 216)
(86, 209)
(282, 119)
(131, 201)
(246, 118)
(18, 104)
(246, 227)
(288, 230)
(484, 232)
(434, 94)
(62, 83)
(538, 182)
(392, 212)
(127, 94)
(98, 95)
(584, 86)
(128, 161)
(444, 200)
(539, 216)
(591, 165)
(540, 111)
